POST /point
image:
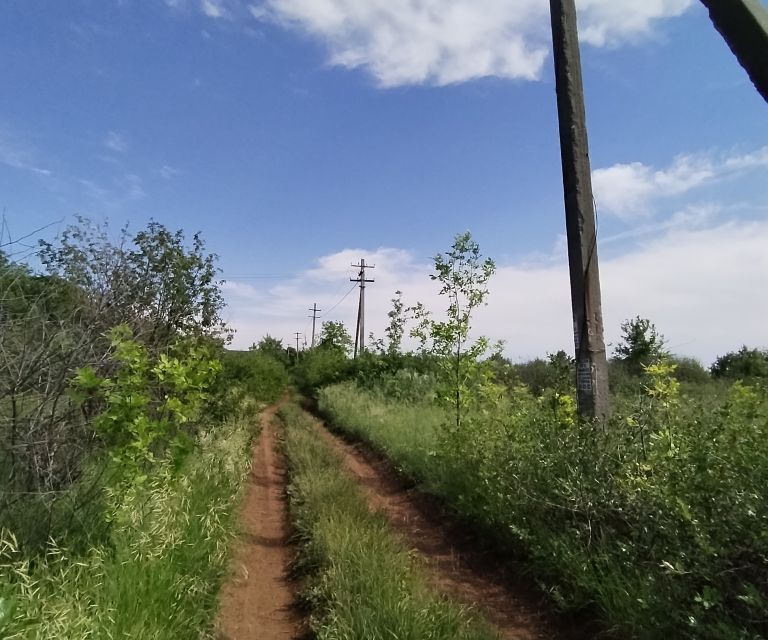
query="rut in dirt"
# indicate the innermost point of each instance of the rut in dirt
(256, 603)
(455, 561)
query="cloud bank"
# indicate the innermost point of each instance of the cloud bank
(703, 287)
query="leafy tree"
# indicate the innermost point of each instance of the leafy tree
(745, 364)
(335, 337)
(396, 327)
(463, 275)
(640, 346)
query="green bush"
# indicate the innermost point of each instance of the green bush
(658, 518)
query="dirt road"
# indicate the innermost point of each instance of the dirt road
(256, 602)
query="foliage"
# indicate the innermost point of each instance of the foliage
(463, 276)
(628, 518)
(149, 406)
(640, 345)
(158, 575)
(335, 337)
(361, 582)
(273, 348)
(396, 328)
(690, 370)
(152, 282)
(557, 373)
(745, 364)
(59, 322)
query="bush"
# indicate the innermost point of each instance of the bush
(658, 518)
(745, 364)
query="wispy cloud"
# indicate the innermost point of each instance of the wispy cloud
(632, 190)
(167, 172)
(18, 155)
(116, 142)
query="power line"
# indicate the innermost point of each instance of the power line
(344, 297)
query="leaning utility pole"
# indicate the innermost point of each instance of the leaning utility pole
(360, 331)
(591, 363)
(744, 26)
(314, 311)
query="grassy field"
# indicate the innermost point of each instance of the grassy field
(158, 575)
(659, 519)
(362, 583)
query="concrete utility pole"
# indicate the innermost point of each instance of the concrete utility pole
(591, 362)
(314, 311)
(360, 331)
(298, 335)
(744, 26)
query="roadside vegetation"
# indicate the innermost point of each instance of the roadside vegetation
(360, 581)
(124, 436)
(656, 519)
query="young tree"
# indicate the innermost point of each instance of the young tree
(641, 345)
(463, 275)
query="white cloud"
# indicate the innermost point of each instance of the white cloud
(606, 22)
(631, 190)
(442, 42)
(167, 172)
(213, 8)
(116, 142)
(698, 284)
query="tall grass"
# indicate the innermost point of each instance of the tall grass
(362, 582)
(157, 576)
(659, 519)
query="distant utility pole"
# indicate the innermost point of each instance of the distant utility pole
(298, 335)
(360, 330)
(314, 311)
(744, 26)
(591, 363)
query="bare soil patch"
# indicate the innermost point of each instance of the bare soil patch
(458, 563)
(256, 603)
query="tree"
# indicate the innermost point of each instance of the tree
(396, 327)
(640, 345)
(745, 364)
(335, 337)
(463, 275)
(271, 347)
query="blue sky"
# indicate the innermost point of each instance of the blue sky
(300, 135)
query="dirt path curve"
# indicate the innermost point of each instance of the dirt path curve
(456, 563)
(256, 602)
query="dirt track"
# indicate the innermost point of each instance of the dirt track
(456, 562)
(256, 602)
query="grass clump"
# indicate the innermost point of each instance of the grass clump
(158, 574)
(362, 582)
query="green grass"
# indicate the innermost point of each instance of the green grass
(658, 520)
(362, 583)
(158, 575)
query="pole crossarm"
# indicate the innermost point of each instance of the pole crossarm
(744, 27)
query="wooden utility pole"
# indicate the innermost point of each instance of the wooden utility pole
(591, 362)
(314, 311)
(744, 26)
(360, 331)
